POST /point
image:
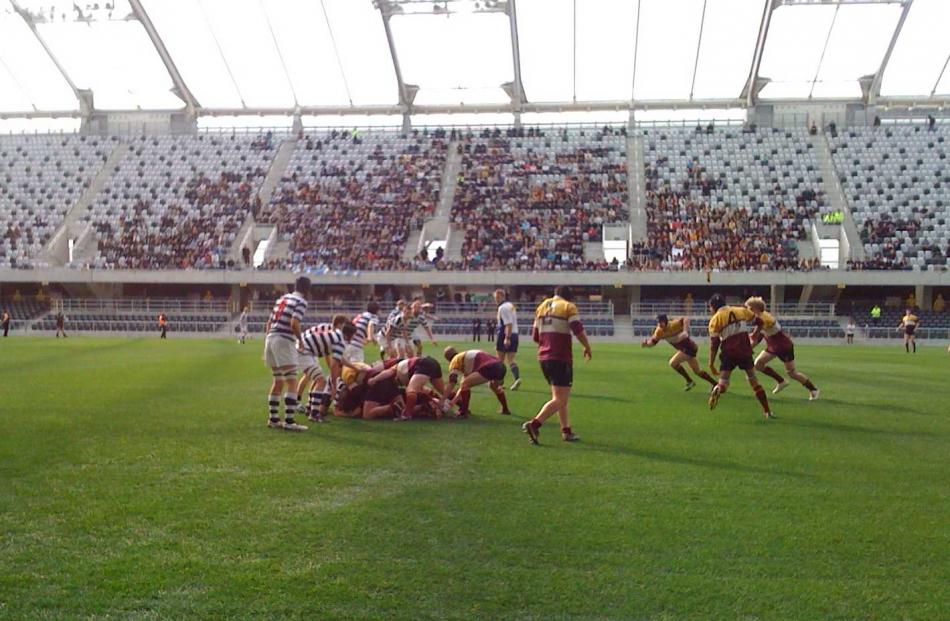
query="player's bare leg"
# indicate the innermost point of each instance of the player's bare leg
(762, 365)
(759, 393)
(302, 386)
(509, 359)
(719, 389)
(698, 370)
(802, 379)
(373, 410)
(290, 401)
(499, 390)
(566, 434)
(558, 401)
(676, 363)
(413, 389)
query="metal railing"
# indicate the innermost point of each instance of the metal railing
(698, 307)
(146, 305)
(586, 309)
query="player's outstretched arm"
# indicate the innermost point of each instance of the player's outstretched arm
(713, 350)
(387, 374)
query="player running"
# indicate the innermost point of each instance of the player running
(506, 336)
(280, 353)
(726, 331)
(555, 319)
(329, 344)
(476, 367)
(779, 345)
(367, 326)
(676, 333)
(909, 324)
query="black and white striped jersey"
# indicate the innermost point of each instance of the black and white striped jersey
(396, 325)
(321, 343)
(362, 322)
(288, 306)
(416, 321)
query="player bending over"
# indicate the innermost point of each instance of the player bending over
(280, 354)
(476, 367)
(909, 324)
(414, 374)
(777, 345)
(727, 332)
(676, 333)
(327, 344)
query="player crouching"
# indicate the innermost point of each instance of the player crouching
(414, 374)
(676, 333)
(476, 367)
(727, 331)
(777, 345)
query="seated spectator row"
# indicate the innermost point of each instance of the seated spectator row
(41, 178)
(178, 201)
(531, 202)
(349, 201)
(134, 322)
(897, 181)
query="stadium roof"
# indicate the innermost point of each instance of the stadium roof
(237, 57)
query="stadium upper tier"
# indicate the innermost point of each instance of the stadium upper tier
(41, 178)
(897, 181)
(349, 201)
(532, 201)
(718, 198)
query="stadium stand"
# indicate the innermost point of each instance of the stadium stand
(728, 199)
(41, 178)
(178, 201)
(897, 179)
(531, 199)
(349, 201)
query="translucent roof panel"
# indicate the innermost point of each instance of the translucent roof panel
(920, 52)
(545, 32)
(106, 50)
(277, 53)
(28, 78)
(465, 59)
(605, 38)
(799, 62)
(665, 62)
(728, 46)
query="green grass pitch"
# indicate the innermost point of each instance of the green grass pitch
(138, 481)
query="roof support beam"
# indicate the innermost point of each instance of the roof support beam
(933, 91)
(181, 89)
(751, 90)
(84, 96)
(875, 92)
(407, 92)
(821, 59)
(517, 95)
(699, 45)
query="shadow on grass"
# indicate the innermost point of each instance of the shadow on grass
(838, 427)
(693, 461)
(579, 395)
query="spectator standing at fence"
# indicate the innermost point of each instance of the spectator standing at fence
(849, 331)
(60, 324)
(163, 325)
(875, 314)
(5, 323)
(476, 329)
(242, 325)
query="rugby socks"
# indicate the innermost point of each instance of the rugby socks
(290, 406)
(503, 400)
(565, 431)
(707, 377)
(313, 403)
(807, 384)
(464, 398)
(760, 395)
(273, 405)
(324, 403)
(682, 371)
(515, 371)
(906, 347)
(915, 347)
(771, 373)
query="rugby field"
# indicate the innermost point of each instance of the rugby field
(138, 481)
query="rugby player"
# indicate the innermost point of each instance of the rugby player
(415, 320)
(280, 354)
(676, 333)
(909, 324)
(726, 331)
(506, 335)
(329, 344)
(367, 326)
(394, 344)
(242, 325)
(779, 345)
(555, 319)
(414, 374)
(476, 367)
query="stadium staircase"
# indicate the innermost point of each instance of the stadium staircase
(84, 248)
(835, 196)
(277, 167)
(637, 187)
(439, 227)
